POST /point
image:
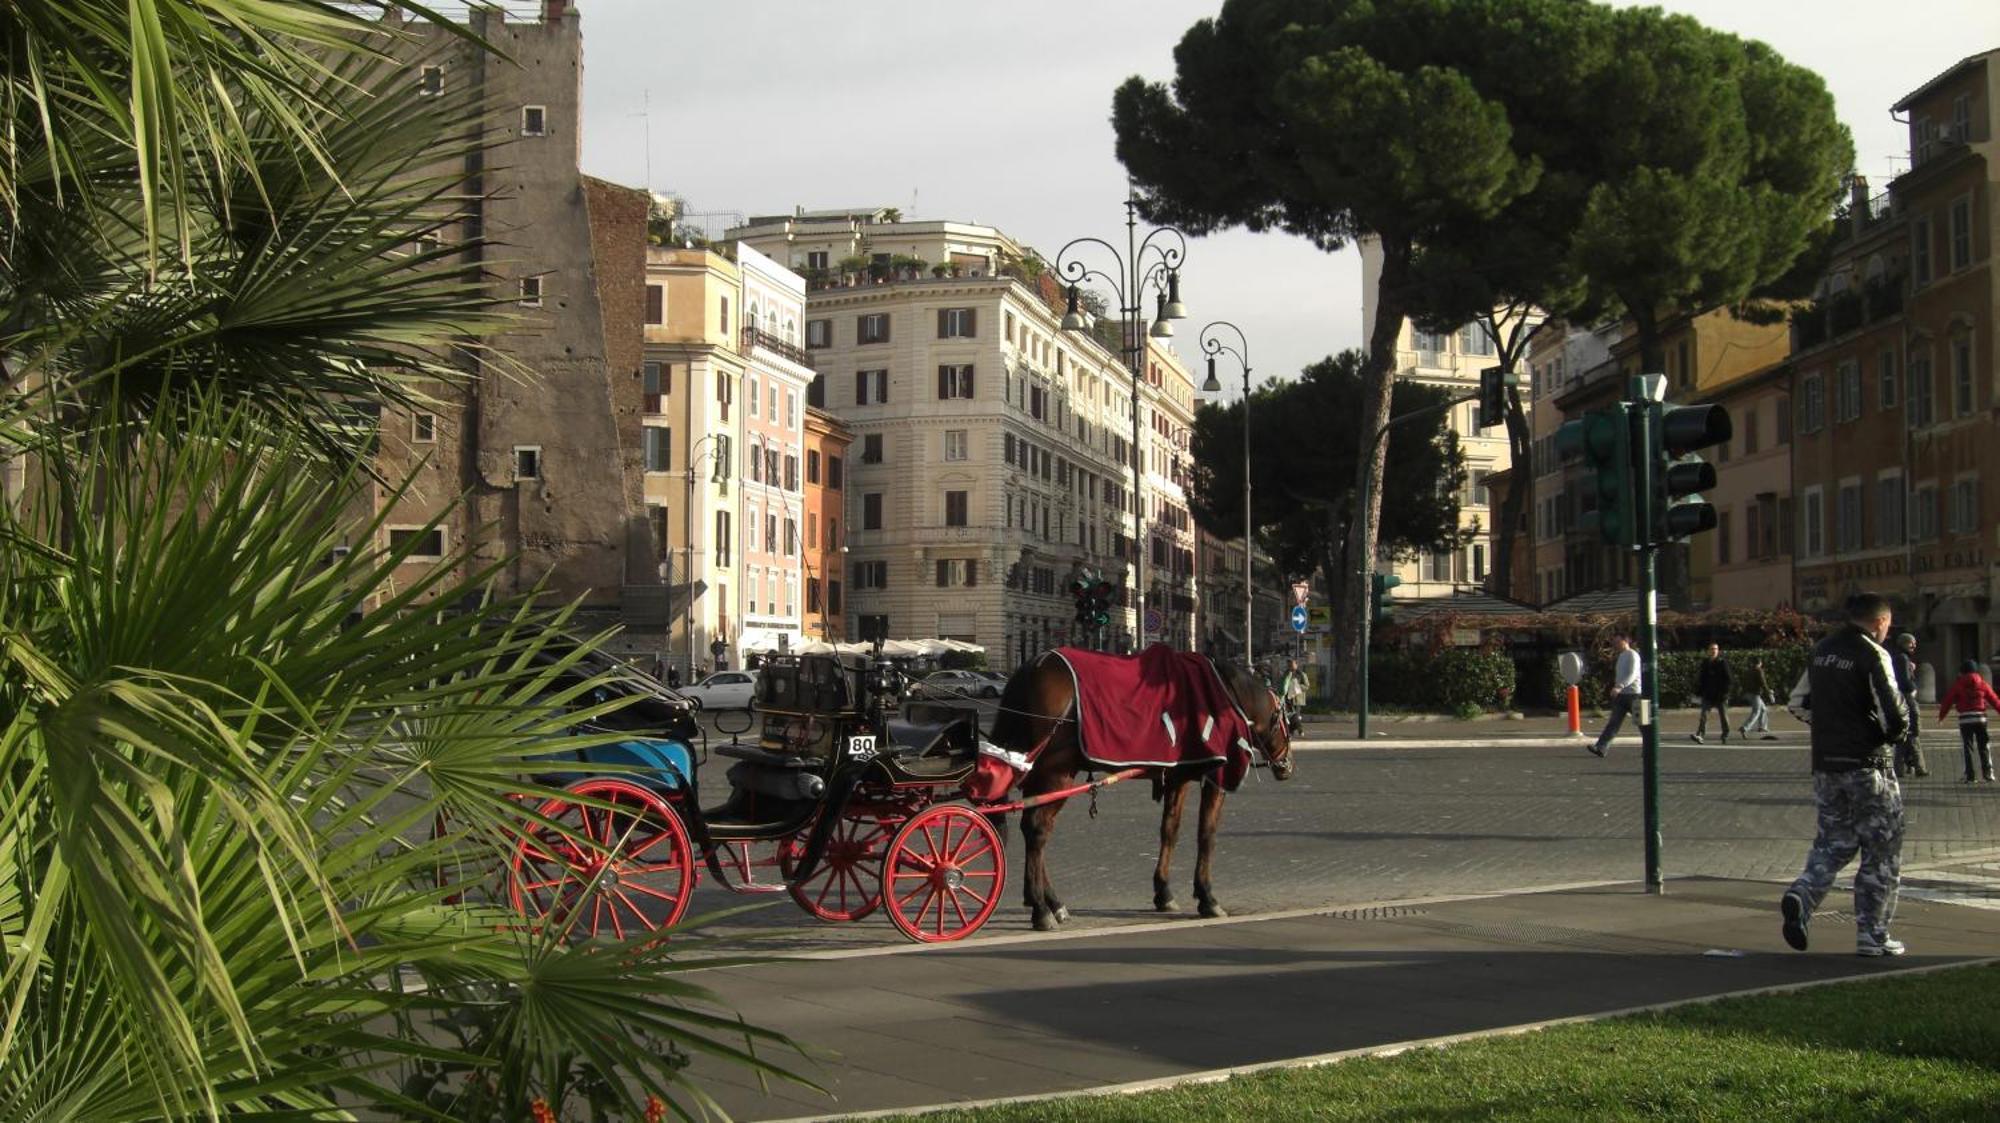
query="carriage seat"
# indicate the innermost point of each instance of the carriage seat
(932, 741)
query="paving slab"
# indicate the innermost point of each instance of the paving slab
(970, 1022)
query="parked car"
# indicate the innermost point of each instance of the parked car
(997, 678)
(956, 685)
(724, 690)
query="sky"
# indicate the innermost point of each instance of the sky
(999, 113)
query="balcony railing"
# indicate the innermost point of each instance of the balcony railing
(758, 337)
(1833, 316)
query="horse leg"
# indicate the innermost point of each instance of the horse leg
(1211, 821)
(1037, 824)
(1171, 806)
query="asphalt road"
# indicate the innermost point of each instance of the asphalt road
(1383, 822)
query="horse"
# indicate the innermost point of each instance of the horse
(1038, 708)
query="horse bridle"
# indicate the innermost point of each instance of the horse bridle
(1268, 734)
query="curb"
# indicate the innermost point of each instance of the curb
(1217, 1075)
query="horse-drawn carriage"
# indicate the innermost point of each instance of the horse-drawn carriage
(854, 799)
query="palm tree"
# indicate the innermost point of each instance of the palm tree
(223, 744)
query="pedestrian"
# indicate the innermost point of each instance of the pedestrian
(1909, 757)
(1858, 718)
(1624, 690)
(674, 677)
(1970, 696)
(1712, 686)
(1293, 691)
(1760, 703)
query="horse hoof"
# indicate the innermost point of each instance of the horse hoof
(1167, 904)
(1062, 914)
(1212, 911)
(1045, 922)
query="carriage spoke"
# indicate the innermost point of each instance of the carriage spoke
(660, 836)
(956, 907)
(651, 892)
(638, 914)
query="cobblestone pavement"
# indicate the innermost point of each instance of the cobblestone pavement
(1399, 820)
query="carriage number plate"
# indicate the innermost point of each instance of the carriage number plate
(861, 746)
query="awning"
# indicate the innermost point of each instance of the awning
(760, 641)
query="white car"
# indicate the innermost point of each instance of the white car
(724, 690)
(956, 685)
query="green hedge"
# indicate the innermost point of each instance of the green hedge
(1452, 679)
(1679, 671)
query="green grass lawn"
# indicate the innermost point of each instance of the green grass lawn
(1919, 1048)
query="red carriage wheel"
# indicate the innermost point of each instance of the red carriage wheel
(943, 874)
(847, 883)
(634, 872)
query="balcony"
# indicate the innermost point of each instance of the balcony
(1833, 316)
(758, 337)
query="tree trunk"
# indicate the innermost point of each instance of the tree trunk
(1378, 372)
(1521, 494)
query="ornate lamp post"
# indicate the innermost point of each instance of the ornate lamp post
(1213, 344)
(1154, 262)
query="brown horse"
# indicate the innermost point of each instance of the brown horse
(1039, 708)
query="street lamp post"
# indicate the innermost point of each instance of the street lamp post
(1143, 264)
(694, 458)
(1213, 345)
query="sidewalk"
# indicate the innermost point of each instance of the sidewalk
(1033, 1014)
(1675, 725)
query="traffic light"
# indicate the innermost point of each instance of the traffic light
(1676, 433)
(1100, 603)
(1080, 588)
(1603, 439)
(1380, 609)
(1493, 382)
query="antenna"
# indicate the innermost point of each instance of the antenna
(645, 116)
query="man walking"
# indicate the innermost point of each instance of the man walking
(1624, 690)
(1849, 693)
(1909, 757)
(1712, 686)
(1759, 686)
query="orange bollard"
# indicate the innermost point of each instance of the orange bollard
(1575, 712)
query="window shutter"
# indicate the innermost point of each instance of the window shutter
(944, 322)
(944, 383)
(971, 322)
(861, 387)
(971, 572)
(943, 573)
(967, 387)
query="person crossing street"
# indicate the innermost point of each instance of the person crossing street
(1759, 688)
(1909, 757)
(1971, 696)
(1850, 695)
(1713, 688)
(1624, 690)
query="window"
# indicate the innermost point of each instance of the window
(871, 386)
(1783, 418)
(791, 472)
(833, 473)
(755, 457)
(872, 328)
(1920, 407)
(791, 537)
(527, 462)
(954, 444)
(1477, 478)
(1812, 409)
(1924, 513)
(771, 403)
(871, 575)
(819, 333)
(1847, 390)
(658, 382)
(812, 595)
(957, 573)
(1889, 503)
(1750, 434)
(871, 510)
(534, 120)
(531, 292)
(1962, 390)
(771, 533)
(1965, 505)
(954, 508)
(1960, 232)
(955, 381)
(1847, 517)
(660, 519)
(1960, 129)
(1753, 524)
(1920, 250)
(424, 428)
(816, 392)
(724, 458)
(771, 466)
(1813, 512)
(832, 533)
(791, 409)
(816, 259)
(957, 323)
(722, 395)
(1473, 339)
(430, 80)
(1437, 566)
(724, 318)
(424, 543)
(1722, 538)
(753, 398)
(873, 625)
(812, 465)
(659, 448)
(1478, 562)
(871, 448)
(1430, 345)
(1885, 378)
(833, 598)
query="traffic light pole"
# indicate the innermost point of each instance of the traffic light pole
(1649, 637)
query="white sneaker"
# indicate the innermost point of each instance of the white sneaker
(1867, 945)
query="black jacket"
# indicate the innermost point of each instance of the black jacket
(1851, 695)
(1713, 685)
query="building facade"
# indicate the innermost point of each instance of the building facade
(772, 485)
(1749, 553)
(1894, 385)
(827, 441)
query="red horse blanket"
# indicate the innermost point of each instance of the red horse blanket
(1161, 707)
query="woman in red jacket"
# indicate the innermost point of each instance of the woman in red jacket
(1970, 695)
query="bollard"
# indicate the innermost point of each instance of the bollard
(1575, 712)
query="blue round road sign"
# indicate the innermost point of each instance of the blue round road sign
(1298, 618)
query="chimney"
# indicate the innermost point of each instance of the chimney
(553, 10)
(1857, 205)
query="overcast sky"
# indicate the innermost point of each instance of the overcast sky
(999, 113)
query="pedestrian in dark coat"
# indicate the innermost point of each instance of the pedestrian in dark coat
(1713, 688)
(1909, 758)
(1759, 689)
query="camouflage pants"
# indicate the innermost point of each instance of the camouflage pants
(1860, 811)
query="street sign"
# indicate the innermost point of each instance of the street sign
(1320, 616)
(1299, 618)
(1154, 622)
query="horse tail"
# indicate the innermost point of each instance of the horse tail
(1010, 725)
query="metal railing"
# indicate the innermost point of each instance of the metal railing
(758, 337)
